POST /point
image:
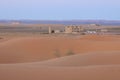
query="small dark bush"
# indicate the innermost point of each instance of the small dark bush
(70, 52)
(57, 53)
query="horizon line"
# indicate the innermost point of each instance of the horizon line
(60, 20)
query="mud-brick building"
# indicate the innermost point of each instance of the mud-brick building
(73, 29)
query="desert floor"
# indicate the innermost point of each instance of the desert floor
(88, 57)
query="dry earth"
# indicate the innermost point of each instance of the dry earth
(96, 57)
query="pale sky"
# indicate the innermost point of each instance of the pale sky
(60, 9)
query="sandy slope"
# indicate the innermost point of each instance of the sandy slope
(98, 59)
(90, 59)
(43, 48)
(108, 70)
(59, 73)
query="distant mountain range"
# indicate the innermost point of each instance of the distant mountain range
(65, 22)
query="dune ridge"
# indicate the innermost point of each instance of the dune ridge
(31, 72)
(32, 58)
(32, 49)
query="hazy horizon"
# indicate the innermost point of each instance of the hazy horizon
(59, 10)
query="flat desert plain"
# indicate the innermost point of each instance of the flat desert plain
(88, 57)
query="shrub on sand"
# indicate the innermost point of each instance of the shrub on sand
(57, 53)
(70, 52)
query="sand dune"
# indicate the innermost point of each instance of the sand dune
(59, 73)
(90, 59)
(80, 60)
(105, 68)
(33, 58)
(43, 48)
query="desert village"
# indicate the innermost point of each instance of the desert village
(84, 29)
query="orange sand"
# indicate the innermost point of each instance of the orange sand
(32, 58)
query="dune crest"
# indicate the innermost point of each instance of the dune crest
(33, 58)
(34, 49)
